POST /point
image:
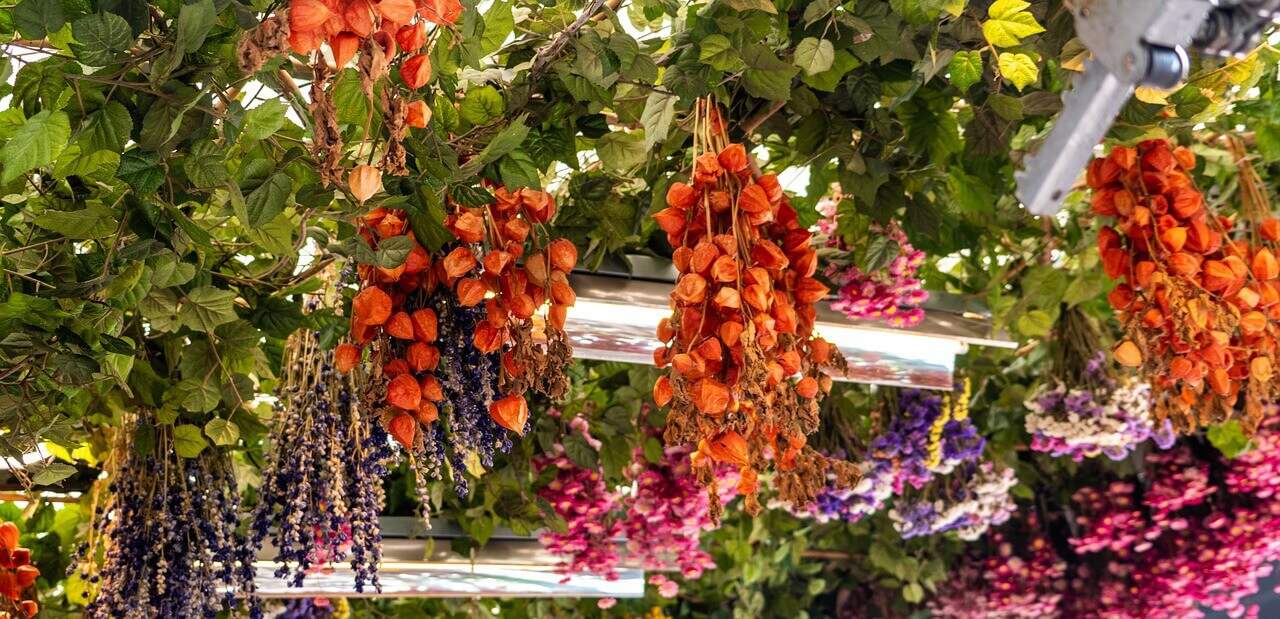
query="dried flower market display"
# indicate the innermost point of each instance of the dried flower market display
(281, 279)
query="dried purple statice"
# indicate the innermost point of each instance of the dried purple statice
(322, 489)
(164, 543)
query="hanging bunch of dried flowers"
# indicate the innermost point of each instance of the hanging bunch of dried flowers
(17, 576)
(378, 37)
(454, 333)
(746, 369)
(1199, 305)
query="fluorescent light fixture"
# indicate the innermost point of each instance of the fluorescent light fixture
(615, 318)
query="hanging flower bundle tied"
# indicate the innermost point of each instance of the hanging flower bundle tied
(1198, 304)
(454, 333)
(17, 576)
(745, 368)
(321, 491)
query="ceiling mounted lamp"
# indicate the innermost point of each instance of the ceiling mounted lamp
(417, 562)
(615, 318)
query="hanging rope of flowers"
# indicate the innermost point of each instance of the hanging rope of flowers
(1199, 295)
(746, 369)
(1085, 411)
(321, 491)
(453, 334)
(163, 541)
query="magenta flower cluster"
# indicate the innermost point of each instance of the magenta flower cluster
(662, 515)
(1017, 575)
(892, 294)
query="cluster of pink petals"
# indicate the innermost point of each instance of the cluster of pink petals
(581, 497)
(1016, 579)
(667, 513)
(892, 294)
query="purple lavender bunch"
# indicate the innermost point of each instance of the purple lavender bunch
(167, 535)
(907, 440)
(321, 491)
(968, 502)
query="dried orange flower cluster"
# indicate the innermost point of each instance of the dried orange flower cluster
(377, 36)
(16, 575)
(745, 366)
(1199, 306)
(481, 270)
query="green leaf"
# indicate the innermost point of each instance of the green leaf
(482, 104)
(94, 221)
(167, 271)
(918, 12)
(518, 170)
(141, 171)
(506, 141)
(206, 165)
(752, 5)
(108, 127)
(392, 252)
(263, 121)
(659, 112)
(766, 76)
(1020, 69)
(965, 69)
(35, 19)
(717, 52)
(188, 442)
(75, 161)
(913, 593)
(194, 22)
(1006, 107)
(1035, 323)
(578, 450)
(100, 38)
(222, 431)
(207, 307)
(47, 474)
(1229, 438)
(264, 203)
(814, 56)
(1008, 22)
(36, 143)
(41, 85)
(621, 151)
(826, 81)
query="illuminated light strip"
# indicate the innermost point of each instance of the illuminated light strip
(402, 579)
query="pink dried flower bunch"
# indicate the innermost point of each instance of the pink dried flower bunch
(581, 497)
(1013, 577)
(892, 294)
(666, 514)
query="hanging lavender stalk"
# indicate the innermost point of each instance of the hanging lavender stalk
(166, 533)
(322, 489)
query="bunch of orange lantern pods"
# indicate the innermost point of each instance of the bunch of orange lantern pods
(1199, 306)
(745, 368)
(474, 304)
(16, 575)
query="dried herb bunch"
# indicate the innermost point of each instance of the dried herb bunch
(163, 540)
(746, 370)
(321, 491)
(1200, 292)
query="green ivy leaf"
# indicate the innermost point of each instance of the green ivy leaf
(188, 442)
(1035, 323)
(36, 143)
(482, 104)
(94, 221)
(842, 63)
(1020, 69)
(207, 307)
(195, 20)
(47, 474)
(263, 121)
(965, 69)
(717, 52)
(1008, 22)
(100, 37)
(268, 200)
(1229, 438)
(766, 76)
(621, 151)
(37, 18)
(814, 56)
(222, 432)
(108, 127)
(392, 252)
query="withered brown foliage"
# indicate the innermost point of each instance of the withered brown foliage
(326, 142)
(259, 45)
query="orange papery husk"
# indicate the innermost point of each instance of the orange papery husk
(358, 16)
(681, 196)
(561, 292)
(400, 326)
(470, 292)
(467, 226)
(308, 15)
(1260, 369)
(417, 114)
(706, 169)
(691, 289)
(488, 338)
(371, 306)
(397, 11)
(662, 391)
(729, 448)
(558, 316)
(1127, 354)
(704, 255)
(672, 220)
(424, 325)
(431, 389)
(404, 428)
(539, 205)
(511, 412)
(807, 387)
(416, 71)
(1265, 267)
(1270, 229)
(426, 413)
(344, 46)
(404, 393)
(754, 199)
(395, 367)
(563, 255)
(688, 365)
(412, 37)
(459, 262)
(417, 261)
(422, 357)
(766, 254)
(711, 397)
(346, 357)
(734, 159)
(364, 181)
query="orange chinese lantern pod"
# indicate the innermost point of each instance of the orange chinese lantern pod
(422, 357)
(364, 181)
(1270, 228)
(9, 535)
(344, 46)
(734, 159)
(404, 393)
(681, 196)
(404, 428)
(426, 413)
(711, 397)
(729, 448)
(424, 325)
(662, 391)
(431, 390)
(1260, 369)
(1128, 354)
(807, 387)
(416, 71)
(371, 306)
(470, 292)
(346, 357)
(1265, 267)
(400, 326)
(459, 262)
(418, 114)
(511, 412)
(467, 226)
(412, 37)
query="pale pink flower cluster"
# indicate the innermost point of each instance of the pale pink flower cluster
(666, 515)
(892, 294)
(581, 497)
